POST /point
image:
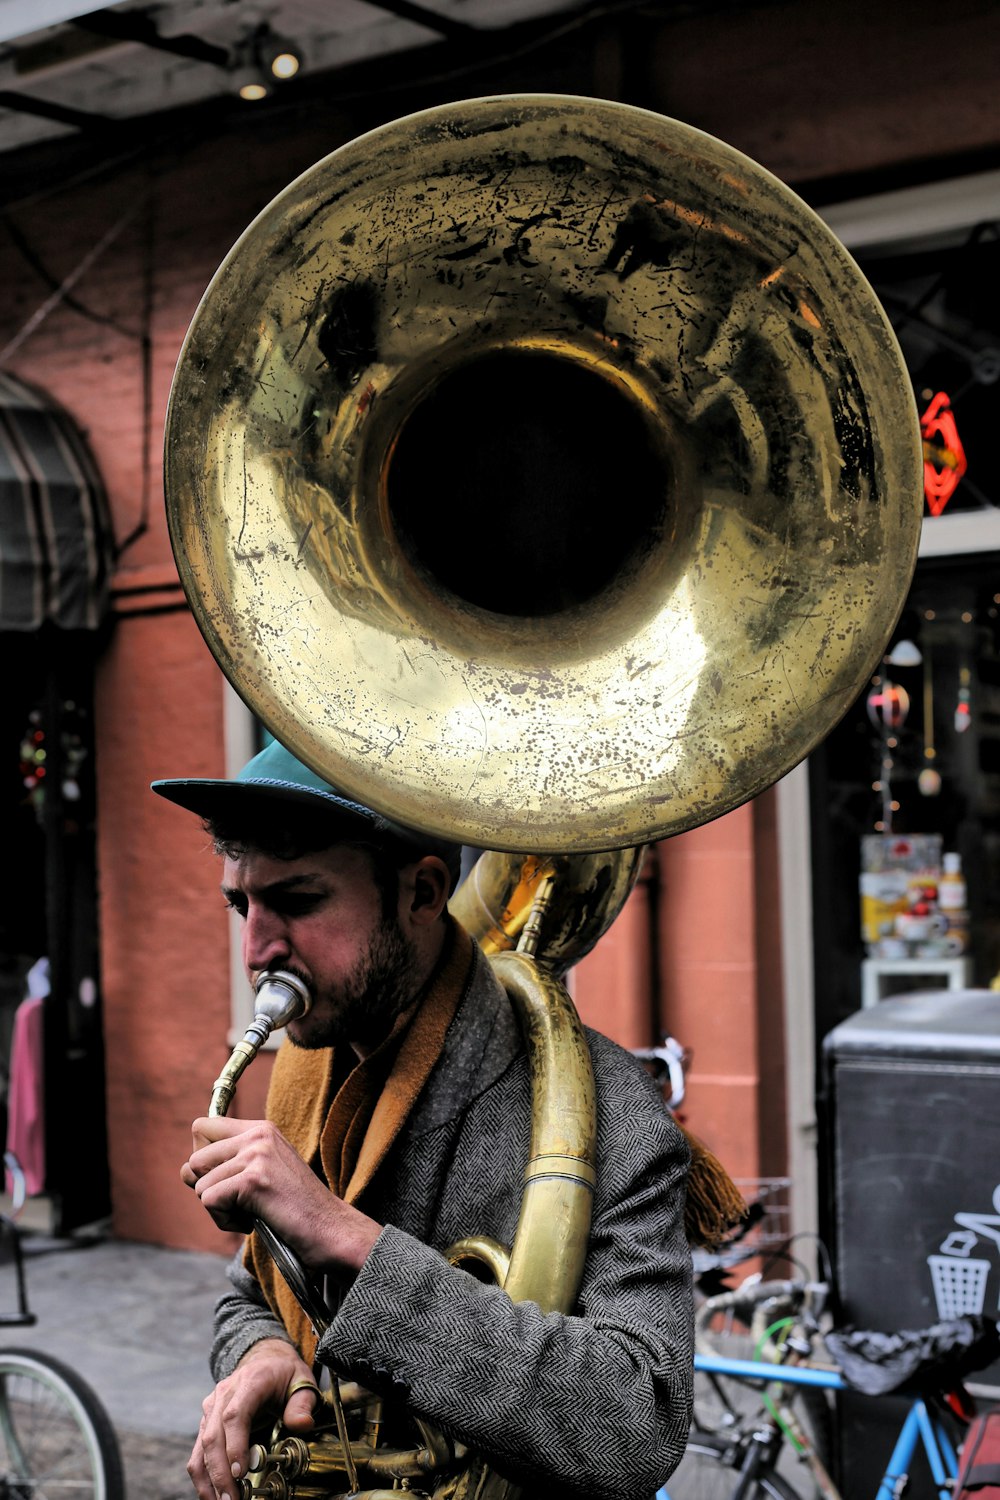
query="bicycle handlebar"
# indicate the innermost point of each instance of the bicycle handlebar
(669, 1059)
(755, 1293)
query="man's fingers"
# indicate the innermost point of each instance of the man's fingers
(231, 1221)
(211, 1483)
(270, 1378)
(221, 1198)
(222, 1442)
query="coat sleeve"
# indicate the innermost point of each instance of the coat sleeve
(594, 1403)
(242, 1318)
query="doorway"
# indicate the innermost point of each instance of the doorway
(49, 924)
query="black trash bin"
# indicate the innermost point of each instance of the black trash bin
(912, 1130)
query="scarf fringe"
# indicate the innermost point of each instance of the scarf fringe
(714, 1205)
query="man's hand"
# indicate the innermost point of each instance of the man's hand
(259, 1386)
(245, 1169)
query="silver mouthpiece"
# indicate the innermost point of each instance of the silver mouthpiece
(280, 998)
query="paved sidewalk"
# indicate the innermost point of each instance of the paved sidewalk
(134, 1321)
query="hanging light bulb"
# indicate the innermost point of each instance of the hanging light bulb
(286, 63)
(277, 55)
(252, 88)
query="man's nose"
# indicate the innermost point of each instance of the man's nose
(266, 942)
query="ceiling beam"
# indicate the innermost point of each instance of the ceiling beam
(445, 26)
(62, 114)
(133, 26)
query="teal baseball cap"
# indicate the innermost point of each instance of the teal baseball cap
(275, 775)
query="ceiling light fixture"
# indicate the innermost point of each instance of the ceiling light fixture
(261, 59)
(246, 76)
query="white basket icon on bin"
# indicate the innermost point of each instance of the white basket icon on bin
(959, 1284)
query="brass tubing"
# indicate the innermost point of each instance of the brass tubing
(550, 1244)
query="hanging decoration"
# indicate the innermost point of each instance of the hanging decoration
(905, 653)
(963, 707)
(36, 761)
(34, 754)
(929, 780)
(888, 704)
(944, 455)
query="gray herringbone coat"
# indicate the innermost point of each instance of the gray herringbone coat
(593, 1404)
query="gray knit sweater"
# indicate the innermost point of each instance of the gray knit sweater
(596, 1403)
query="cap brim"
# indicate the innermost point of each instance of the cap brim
(215, 798)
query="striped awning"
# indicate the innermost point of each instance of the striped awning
(56, 543)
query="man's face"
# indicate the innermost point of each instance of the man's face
(321, 918)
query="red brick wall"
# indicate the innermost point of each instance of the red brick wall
(163, 928)
(818, 90)
(159, 696)
(717, 934)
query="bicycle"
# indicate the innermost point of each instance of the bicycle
(744, 1325)
(749, 1419)
(742, 1448)
(56, 1439)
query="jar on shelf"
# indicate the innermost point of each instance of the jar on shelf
(953, 903)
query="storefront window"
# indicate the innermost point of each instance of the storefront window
(941, 297)
(919, 752)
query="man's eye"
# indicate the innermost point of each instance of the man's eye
(296, 905)
(239, 907)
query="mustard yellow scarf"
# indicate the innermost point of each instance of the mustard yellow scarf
(348, 1137)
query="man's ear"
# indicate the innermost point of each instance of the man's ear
(426, 887)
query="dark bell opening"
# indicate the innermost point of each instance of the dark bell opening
(526, 483)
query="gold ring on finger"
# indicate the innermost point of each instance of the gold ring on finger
(301, 1385)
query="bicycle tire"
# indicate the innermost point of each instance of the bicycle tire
(56, 1439)
(708, 1472)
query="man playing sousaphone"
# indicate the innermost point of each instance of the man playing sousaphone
(704, 399)
(398, 1118)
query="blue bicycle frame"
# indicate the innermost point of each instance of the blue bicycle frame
(919, 1425)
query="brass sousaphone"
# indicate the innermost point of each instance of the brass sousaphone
(544, 474)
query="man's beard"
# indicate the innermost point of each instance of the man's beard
(381, 986)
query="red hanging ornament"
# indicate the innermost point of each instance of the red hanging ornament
(944, 455)
(888, 704)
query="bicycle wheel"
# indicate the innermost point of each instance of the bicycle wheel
(707, 1472)
(56, 1439)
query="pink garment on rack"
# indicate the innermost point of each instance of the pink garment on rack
(26, 1095)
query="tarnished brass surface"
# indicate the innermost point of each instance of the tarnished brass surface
(623, 634)
(550, 1243)
(588, 891)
